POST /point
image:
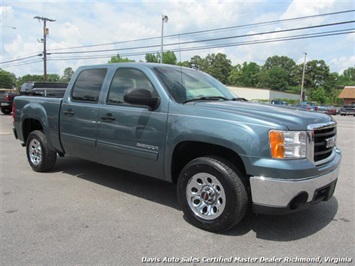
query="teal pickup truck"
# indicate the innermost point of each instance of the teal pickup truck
(181, 125)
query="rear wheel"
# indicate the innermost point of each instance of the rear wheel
(39, 155)
(212, 194)
(6, 110)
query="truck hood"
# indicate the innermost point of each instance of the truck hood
(289, 117)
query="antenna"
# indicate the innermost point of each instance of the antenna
(179, 49)
(180, 61)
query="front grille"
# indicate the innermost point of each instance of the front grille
(324, 141)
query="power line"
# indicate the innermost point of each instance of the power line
(201, 47)
(207, 40)
(19, 59)
(212, 30)
(25, 63)
(270, 40)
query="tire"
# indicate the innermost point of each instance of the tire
(6, 110)
(40, 157)
(211, 194)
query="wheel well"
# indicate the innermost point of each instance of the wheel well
(187, 151)
(30, 125)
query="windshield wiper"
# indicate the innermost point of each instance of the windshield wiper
(209, 98)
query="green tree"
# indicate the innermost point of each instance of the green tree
(316, 75)
(29, 77)
(218, 66)
(198, 63)
(185, 64)
(151, 58)
(53, 77)
(68, 73)
(118, 59)
(169, 57)
(245, 75)
(330, 81)
(347, 78)
(279, 61)
(287, 64)
(344, 81)
(350, 73)
(274, 78)
(235, 75)
(319, 95)
(7, 80)
(264, 79)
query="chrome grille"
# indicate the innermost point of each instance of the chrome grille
(324, 142)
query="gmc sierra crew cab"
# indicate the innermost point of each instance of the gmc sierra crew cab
(183, 126)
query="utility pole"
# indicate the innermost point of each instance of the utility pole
(45, 33)
(303, 96)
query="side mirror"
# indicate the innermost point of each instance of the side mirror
(141, 97)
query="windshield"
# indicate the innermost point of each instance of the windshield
(26, 87)
(186, 85)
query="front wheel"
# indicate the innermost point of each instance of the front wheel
(39, 155)
(212, 194)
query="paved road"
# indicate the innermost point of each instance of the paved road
(83, 213)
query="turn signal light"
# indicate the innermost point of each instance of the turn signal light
(288, 144)
(277, 144)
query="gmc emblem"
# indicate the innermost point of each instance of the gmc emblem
(331, 142)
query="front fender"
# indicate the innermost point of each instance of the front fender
(243, 139)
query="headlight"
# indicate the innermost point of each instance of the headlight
(288, 144)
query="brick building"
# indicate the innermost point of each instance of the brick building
(348, 94)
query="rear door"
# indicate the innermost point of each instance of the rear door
(79, 113)
(131, 137)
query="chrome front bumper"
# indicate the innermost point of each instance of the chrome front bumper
(278, 196)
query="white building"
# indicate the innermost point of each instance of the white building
(255, 94)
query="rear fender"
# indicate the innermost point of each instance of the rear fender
(35, 117)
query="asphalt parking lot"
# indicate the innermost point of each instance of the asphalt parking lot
(84, 213)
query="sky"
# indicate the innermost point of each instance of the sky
(91, 32)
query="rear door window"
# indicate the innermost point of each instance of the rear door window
(88, 85)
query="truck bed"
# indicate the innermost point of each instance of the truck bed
(46, 110)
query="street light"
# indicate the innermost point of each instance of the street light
(14, 28)
(164, 19)
(303, 72)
